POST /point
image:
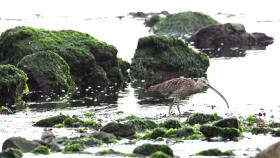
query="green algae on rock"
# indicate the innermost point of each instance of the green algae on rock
(148, 149)
(67, 121)
(12, 87)
(182, 23)
(200, 118)
(159, 58)
(215, 152)
(47, 72)
(11, 153)
(93, 63)
(159, 154)
(210, 131)
(41, 150)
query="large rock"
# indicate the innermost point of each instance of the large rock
(148, 149)
(270, 152)
(12, 87)
(20, 143)
(47, 72)
(118, 129)
(159, 58)
(93, 63)
(228, 40)
(231, 122)
(183, 23)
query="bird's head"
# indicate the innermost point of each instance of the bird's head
(202, 81)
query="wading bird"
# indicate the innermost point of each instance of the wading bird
(179, 88)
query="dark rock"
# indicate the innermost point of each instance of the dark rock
(11, 153)
(228, 40)
(12, 87)
(215, 152)
(20, 143)
(159, 58)
(119, 129)
(227, 122)
(105, 137)
(181, 24)
(148, 149)
(47, 72)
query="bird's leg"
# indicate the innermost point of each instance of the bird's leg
(178, 107)
(171, 105)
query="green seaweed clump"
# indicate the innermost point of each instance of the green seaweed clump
(73, 148)
(200, 118)
(148, 149)
(156, 133)
(184, 132)
(41, 150)
(47, 72)
(139, 123)
(5, 110)
(215, 152)
(159, 154)
(12, 87)
(158, 58)
(11, 153)
(210, 131)
(183, 23)
(67, 121)
(113, 152)
(260, 130)
(170, 123)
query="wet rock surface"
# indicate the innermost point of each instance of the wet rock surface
(20, 143)
(228, 40)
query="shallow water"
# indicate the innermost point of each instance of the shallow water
(250, 84)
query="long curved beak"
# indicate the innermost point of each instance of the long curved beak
(220, 94)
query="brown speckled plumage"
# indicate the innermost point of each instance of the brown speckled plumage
(178, 87)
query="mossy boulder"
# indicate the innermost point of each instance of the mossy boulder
(183, 23)
(12, 87)
(215, 152)
(170, 123)
(149, 149)
(104, 137)
(200, 118)
(20, 143)
(140, 124)
(180, 133)
(210, 131)
(92, 63)
(159, 58)
(119, 129)
(47, 72)
(67, 121)
(156, 133)
(260, 130)
(231, 122)
(11, 153)
(51, 121)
